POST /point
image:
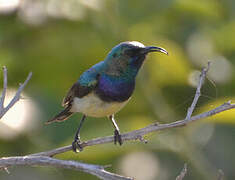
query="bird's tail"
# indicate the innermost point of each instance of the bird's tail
(63, 115)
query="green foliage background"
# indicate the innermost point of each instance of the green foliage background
(57, 45)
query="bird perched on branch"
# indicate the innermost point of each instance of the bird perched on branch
(106, 87)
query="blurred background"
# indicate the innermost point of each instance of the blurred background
(58, 39)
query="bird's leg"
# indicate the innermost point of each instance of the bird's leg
(117, 135)
(76, 144)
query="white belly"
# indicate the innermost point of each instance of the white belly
(91, 105)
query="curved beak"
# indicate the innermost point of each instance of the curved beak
(149, 49)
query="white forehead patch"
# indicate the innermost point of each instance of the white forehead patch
(136, 43)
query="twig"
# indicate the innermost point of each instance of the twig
(2, 99)
(96, 170)
(16, 98)
(182, 173)
(198, 91)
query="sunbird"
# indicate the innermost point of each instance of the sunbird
(106, 87)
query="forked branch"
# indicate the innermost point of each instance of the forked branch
(16, 98)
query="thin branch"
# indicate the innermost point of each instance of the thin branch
(198, 91)
(2, 99)
(16, 97)
(96, 170)
(182, 173)
(135, 135)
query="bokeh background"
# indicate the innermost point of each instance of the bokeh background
(58, 39)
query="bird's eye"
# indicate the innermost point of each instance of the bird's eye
(132, 52)
(114, 55)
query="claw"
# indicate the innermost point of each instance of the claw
(117, 137)
(77, 145)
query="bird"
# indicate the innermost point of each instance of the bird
(105, 88)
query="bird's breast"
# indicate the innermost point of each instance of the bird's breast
(92, 105)
(111, 89)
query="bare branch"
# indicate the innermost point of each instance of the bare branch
(134, 135)
(48, 161)
(2, 99)
(182, 173)
(16, 97)
(198, 91)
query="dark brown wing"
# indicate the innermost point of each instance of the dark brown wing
(76, 90)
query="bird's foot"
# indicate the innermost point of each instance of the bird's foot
(77, 145)
(117, 137)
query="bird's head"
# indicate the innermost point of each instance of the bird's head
(129, 55)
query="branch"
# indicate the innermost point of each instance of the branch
(137, 134)
(48, 161)
(16, 98)
(198, 91)
(182, 173)
(2, 99)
